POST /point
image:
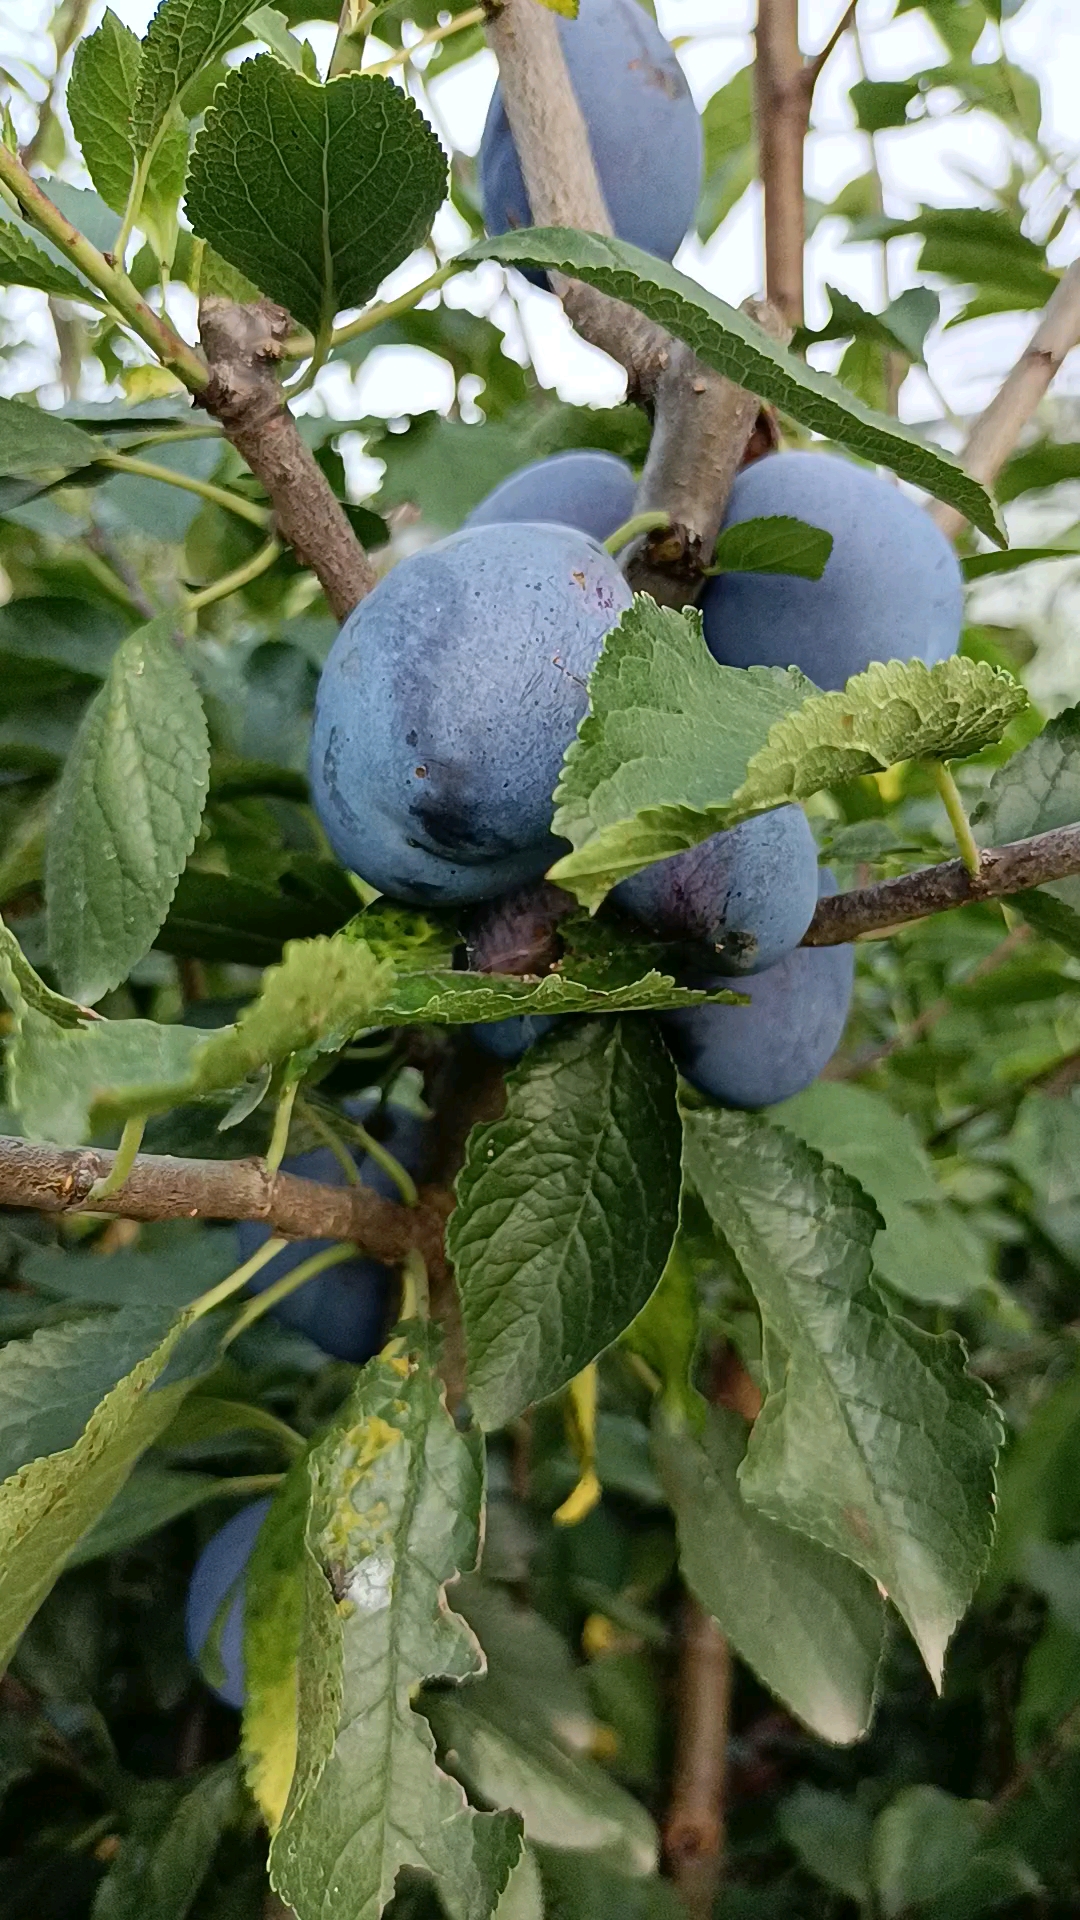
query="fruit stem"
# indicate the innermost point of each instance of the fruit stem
(232, 582)
(239, 1276)
(338, 1149)
(281, 1289)
(637, 523)
(130, 1142)
(958, 820)
(279, 1139)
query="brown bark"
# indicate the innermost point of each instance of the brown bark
(694, 1827)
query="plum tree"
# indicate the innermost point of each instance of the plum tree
(343, 1309)
(585, 488)
(214, 1613)
(750, 894)
(753, 1056)
(891, 589)
(643, 128)
(447, 702)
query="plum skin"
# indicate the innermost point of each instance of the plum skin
(585, 488)
(445, 706)
(343, 1310)
(219, 1576)
(891, 590)
(643, 128)
(755, 1056)
(749, 893)
(511, 1039)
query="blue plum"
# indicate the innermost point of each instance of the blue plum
(447, 702)
(750, 893)
(214, 1614)
(643, 128)
(754, 1056)
(891, 590)
(586, 489)
(342, 1310)
(511, 1039)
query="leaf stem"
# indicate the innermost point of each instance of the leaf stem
(383, 1158)
(299, 345)
(239, 1276)
(130, 1142)
(102, 272)
(279, 1139)
(415, 1302)
(338, 1149)
(472, 17)
(135, 200)
(240, 1485)
(232, 582)
(958, 820)
(638, 523)
(272, 1296)
(188, 483)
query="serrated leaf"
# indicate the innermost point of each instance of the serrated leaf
(456, 999)
(394, 1517)
(127, 813)
(52, 1501)
(51, 1383)
(777, 544)
(737, 347)
(566, 1211)
(315, 1001)
(100, 98)
(56, 1074)
(273, 1626)
(23, 264)
(873, 1438)
(28, 986)
(1035, 791)
(350, 179)
(675, 747)
(34, 443)
(806, 1621)
(183, 37)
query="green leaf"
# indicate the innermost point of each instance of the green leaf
(675, 748)
(926, 1251)
(51, 642)
(34, 443)
(902, 327)
(566, 1211)
(882, 103)
(127, 813)
(736, 346)
(831, 1835)
(1035, 791)
(777, 544)
(350, 179)
(928, 1846)
(395, 1509)
(29, 988)
(266, 23)
(273, 1629)
(873, 1438)
(313, 1003)
(807, 1622)
(727, 123)
(173, 1264)
(667, 1331)
(152, 1498)
(183, 37)
(169, 1848)
(1045, 464)
(101, 97)
(977, 566)
(56, 1074)
(52, 1501)
(23, 264)
(51, 1383)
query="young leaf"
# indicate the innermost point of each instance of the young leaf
(100, 98)
(127, 813)
(183, 37)
(350, 179)
(777, 544)
(266, 23)
(34, 443)
(27, 987)
(394, 1516)
(55, 1074)
(808, 1623)
(24, 264)
(319, 997)
(1035, 791)
(873, 1438)
(566, 1211)
(273, 1627)
(737, 347)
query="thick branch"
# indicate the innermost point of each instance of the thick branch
(243, 346)
(997, 431)
(1003, 871)
(58, 1180)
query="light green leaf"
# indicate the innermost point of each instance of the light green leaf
(273, 1627)
(101, 96)
(1035, 791)
(52, 1501)
(736, 346)
(51, 1383)
(350, 179)
(566, 1211)
(675, 748)
(807, 1622)
(395, 1509)
(776, 544)
(23, 264)
(183, 37)
(926, 1250)
(56, 1074)
(524, 1895)
(266, 23)
(831, 1834)
(28, 986)
(314, 1002)
(667, 1331)
(928, 1847)
(873, 1438)
(127, 813)
(34, 443)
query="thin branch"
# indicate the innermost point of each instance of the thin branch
(694, 1828)
(997, 431)
(1002, 871)
(783, 118)
(818, 61)
(925, 1021)
(243, 346)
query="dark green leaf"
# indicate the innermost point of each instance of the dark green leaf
(831, 1835)
(166, 1856)
(566, 1211)
(35, 444)
(152, 1498)
(882, 103)
(778, 544)
(1035, 791)
(48, 643)
(978, 565)
(183, 37)
(1044, 465)
(225, 916)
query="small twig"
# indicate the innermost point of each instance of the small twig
(694, 1828)
(817, 61)
(472, 17)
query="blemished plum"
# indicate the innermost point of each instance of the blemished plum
(643, 128)
(891, 589)
(757, 1055)
(587, 489)
(343, 1310)
(214, 1614)
(749, 893)
(447, 702)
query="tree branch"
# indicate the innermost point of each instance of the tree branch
(783, 116)
(694, 1828)
(997, 431)
(1002, 871)
(243, 346)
